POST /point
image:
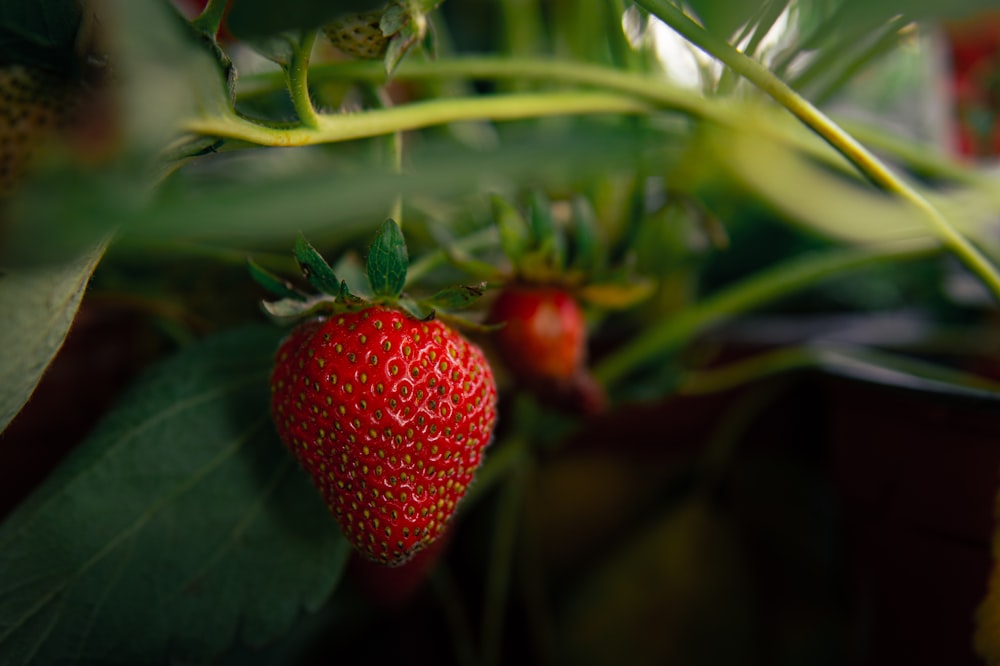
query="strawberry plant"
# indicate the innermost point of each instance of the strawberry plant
(628, 391)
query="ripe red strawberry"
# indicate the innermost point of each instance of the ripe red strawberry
(543, 343)
(390, 416)
(545, 335)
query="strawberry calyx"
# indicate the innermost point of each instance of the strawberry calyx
(385, 269)
(559, 245)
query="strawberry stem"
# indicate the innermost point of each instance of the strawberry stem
(781, 280)
(297, 75)
(210, 19)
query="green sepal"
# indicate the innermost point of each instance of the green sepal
(287, 310)
(467, 325)
(416, 309)
(394, 18)
(314, 267)
(548, 241)
(350, 269)
(587, 254)
(345, 297)
(387, 261)
(515, 235)
(456, 298)
(276, 285)
(400, 43)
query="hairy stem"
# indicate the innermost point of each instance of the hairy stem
(297, 73)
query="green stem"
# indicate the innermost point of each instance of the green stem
(863, 160)
(297, 74)
(210, 19)
(832, 359)
(653, 89)
(781, 280)
(479, 240)
(345, 127)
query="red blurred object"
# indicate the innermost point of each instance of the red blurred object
(544, 344)
(974, 51)
(392, 587)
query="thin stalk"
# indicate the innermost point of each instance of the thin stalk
(831, 359)
(297, 74)
(394, 150)
(865, 161)
(501, 566)
(768, 285)
(450, 598)
(418, 115)
(741, 373)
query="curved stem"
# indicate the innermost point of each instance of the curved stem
(653, 89)
(861, 157)
(298, 80)
(345, 127)
(781, 280)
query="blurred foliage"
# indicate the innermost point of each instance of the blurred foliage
(655, 533)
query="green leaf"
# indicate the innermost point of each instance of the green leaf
(724, 17)
(456, 298)
(398, 46)
(274, 284)
(515, 235)
(41, 33)
(178, 526)
(387, 261)
(315, 268)
(38, 305)
(251, 19)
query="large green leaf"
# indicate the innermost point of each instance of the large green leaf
(180, 523)
(38, 305)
